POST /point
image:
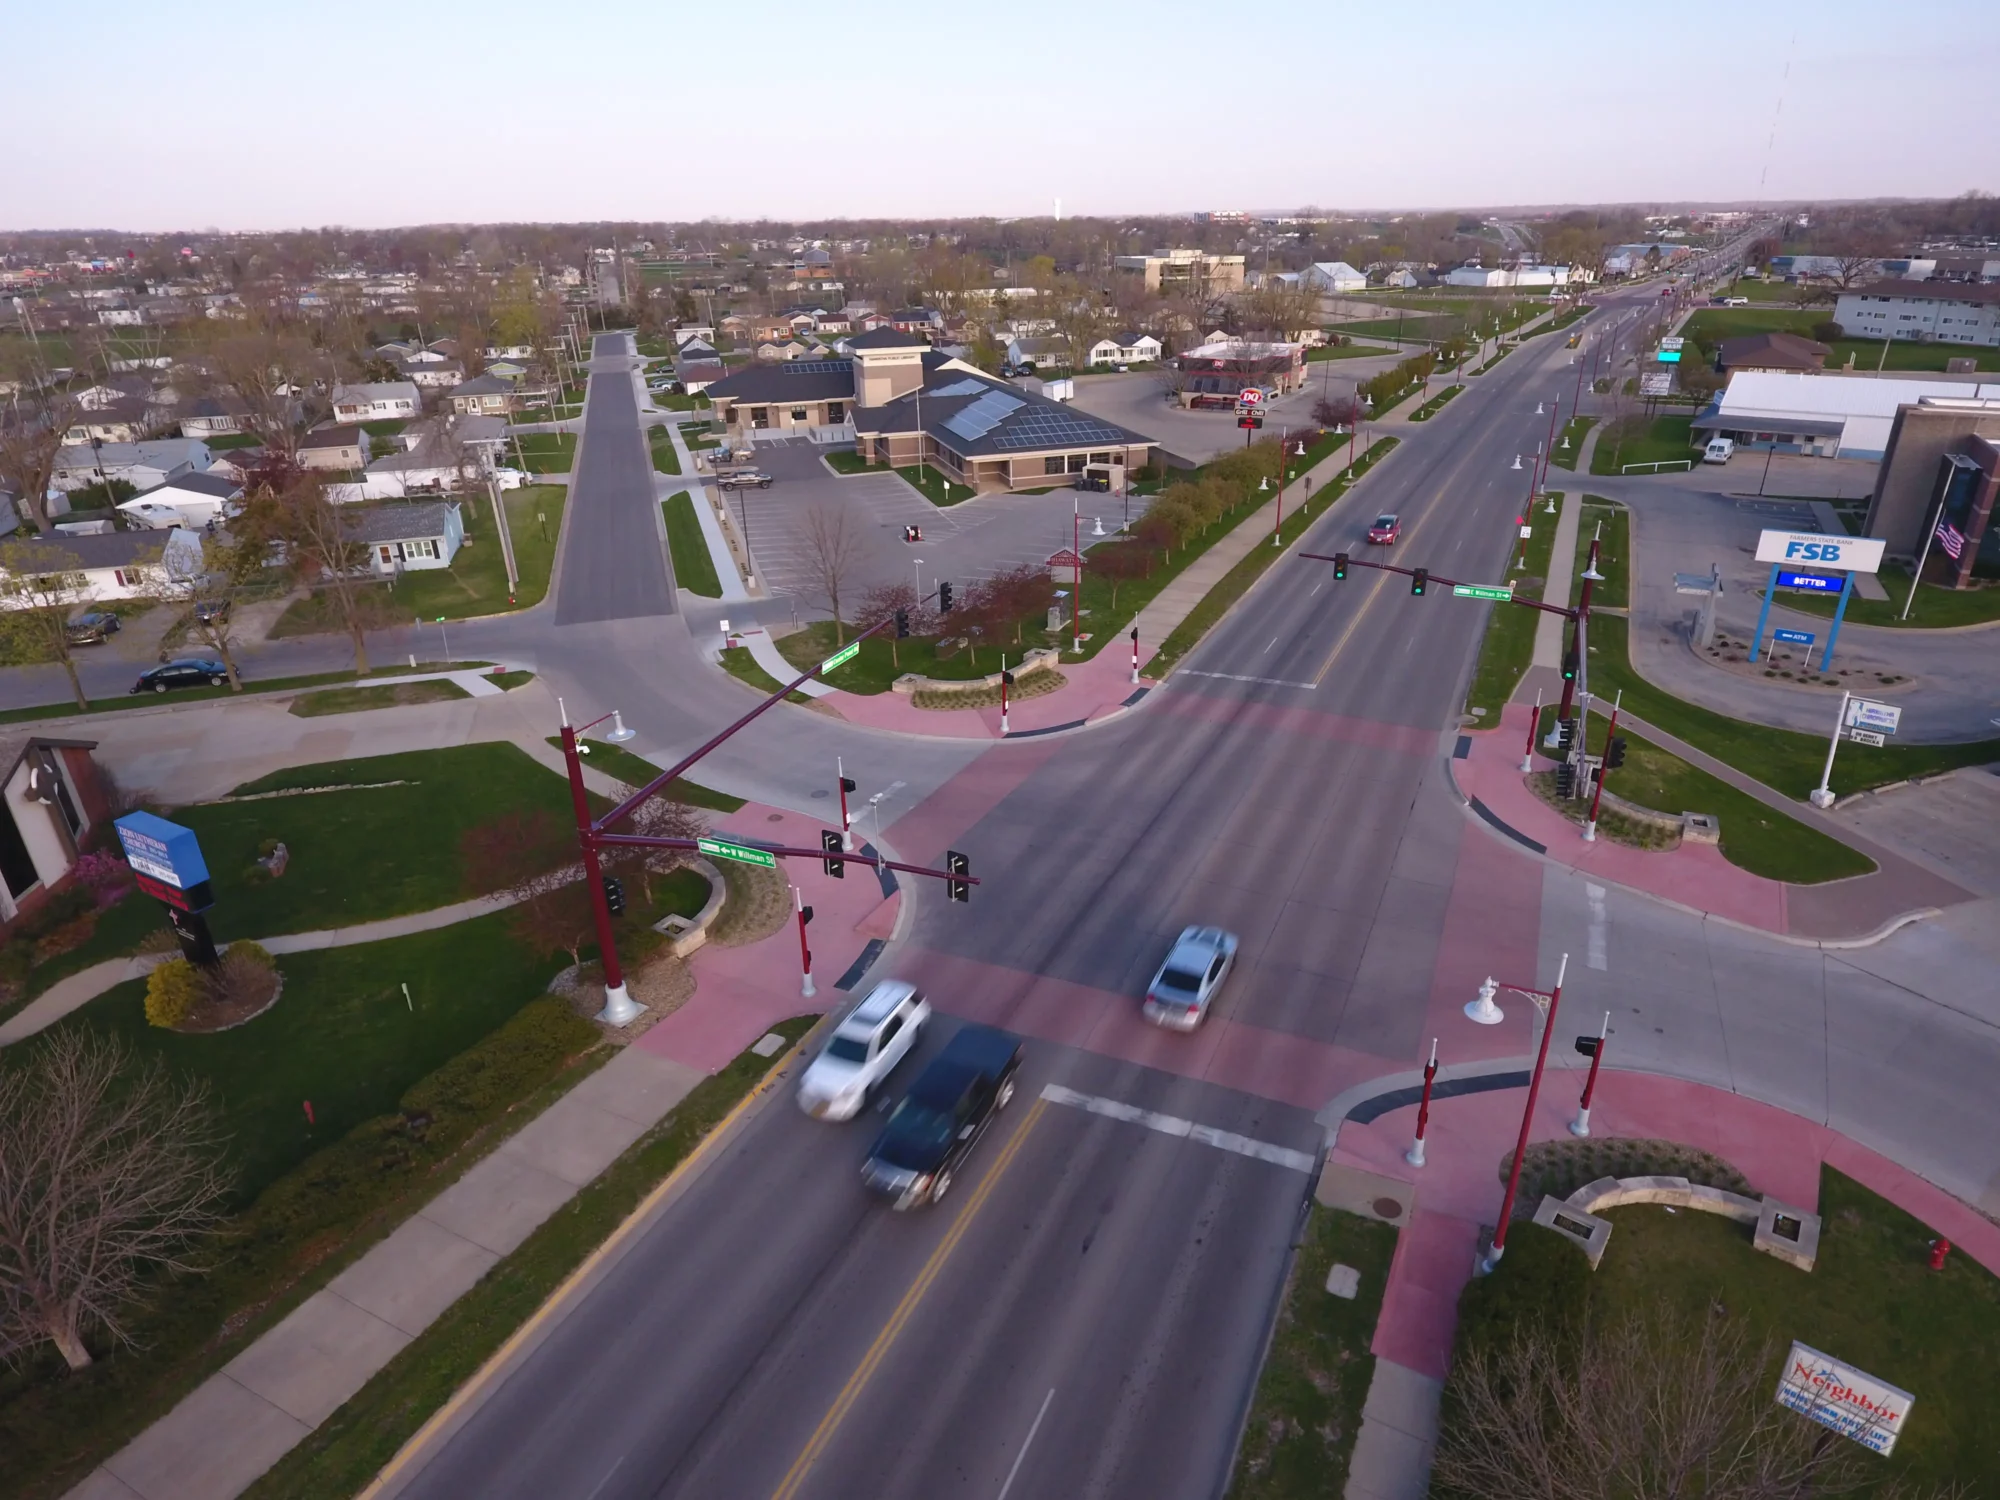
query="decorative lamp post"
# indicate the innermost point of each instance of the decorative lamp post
(1486, 1013)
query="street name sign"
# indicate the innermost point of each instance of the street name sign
(1796, 637)
(1867, 737)
(1853, 554)
(841, 657)
(743, 854)
(1863, 713)
(1850, 1401)
(1485, 590)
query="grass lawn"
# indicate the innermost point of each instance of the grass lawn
(1509, 641)
(636, 771)
(738, 663)
(930, 482)
(1307, 1409)
(883, 660)
(222, 442)
(1413, 329)
(1870, 1299)
(1906, 354)
(1610, 522)
(1573, 433)
(847, 461)
(388, 695)
(1342, 351)
(1711, 325)
(1499, 355)
(1935, 608)
(68, 708)
(548, 452)
(1666, 440)
(344, 1453)
(664, 458)
(1436, 404)
(694, 569)
(387, 427)
(1782, 759)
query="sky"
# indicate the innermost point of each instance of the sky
(215, 114)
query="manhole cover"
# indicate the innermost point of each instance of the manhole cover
(1387, 1208)
(822, 792)
(775, 818)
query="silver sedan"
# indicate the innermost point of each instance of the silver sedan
(1196, 966)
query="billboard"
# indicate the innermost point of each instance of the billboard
(1836, 1395)
(1656, 383)
(1854, 554)
(166, 859)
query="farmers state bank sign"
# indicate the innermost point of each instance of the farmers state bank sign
(1839, 1396)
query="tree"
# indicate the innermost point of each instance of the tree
(1018, 593)
(531, 858)
(833, 547)
(267, 365)
(323, 552)
(1341, 413)
(883, 600)
(31, 440)
(231, 562)
(40, 585)
(659, 818)
(1119, 561)
(1280, 311)
(1658, 1403)
(109, 1170)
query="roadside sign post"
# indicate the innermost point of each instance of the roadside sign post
(1822, 795)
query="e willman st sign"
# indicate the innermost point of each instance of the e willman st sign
(1837, 1395)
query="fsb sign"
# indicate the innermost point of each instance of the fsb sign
(1854, 554)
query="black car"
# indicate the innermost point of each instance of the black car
(943, 1116)
(91, 628)
(189, 671)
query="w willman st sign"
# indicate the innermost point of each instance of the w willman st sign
(1836, 1395)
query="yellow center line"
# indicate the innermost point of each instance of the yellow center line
(892, 1330)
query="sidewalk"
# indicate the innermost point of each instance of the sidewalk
(1458, 1192)
(226, 1433)
(689, 479)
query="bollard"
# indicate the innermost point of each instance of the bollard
(1940, 1248)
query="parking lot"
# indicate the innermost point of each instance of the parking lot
(1139, 401)
(962, 543)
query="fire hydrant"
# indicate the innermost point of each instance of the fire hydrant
(1940, 1248)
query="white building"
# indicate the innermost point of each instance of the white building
(1335, 276)
(1827, 415)
(141, 465)
(383, 401)
(192, 500)
(1942, 312)
(1125, 349)
(1508, 276)
(92, 569)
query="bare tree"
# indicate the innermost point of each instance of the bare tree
(659, 818)
(532, 858)
(321, 547)
(1657, 1404)
(833, 546)
(883, 600)
(267, 366)
(109, 1170)
(1337, 412)
(231, 562)
(31, 440)
(40, 584)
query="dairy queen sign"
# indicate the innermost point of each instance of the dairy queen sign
(1839, 1396)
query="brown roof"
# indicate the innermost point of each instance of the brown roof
(1941, 291)
(347, 436)
(1772, 351)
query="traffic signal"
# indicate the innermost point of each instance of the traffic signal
(614, 895)
(1614, 752)
(1565, 780)
(1588, 1045)
(1565, 735)
(1420, 580)
(1569, 664)
(1340, 565)
(848, 784)
(829, 843)
(944, 598)
(902, 624)
(1007, 678)
(958, 866)
(805, 915)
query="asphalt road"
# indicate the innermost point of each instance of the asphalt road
(614, 557)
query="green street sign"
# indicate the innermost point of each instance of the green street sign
(1483, 590)
(841, 657)
(743, 854)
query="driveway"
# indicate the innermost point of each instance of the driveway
(967, 541)
(1139, 402)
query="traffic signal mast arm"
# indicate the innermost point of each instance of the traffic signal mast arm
(644, 841)
(1361, 562)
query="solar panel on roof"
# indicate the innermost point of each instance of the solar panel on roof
(816, 367)
(1044, 429)
(960, 388)
(983, 415)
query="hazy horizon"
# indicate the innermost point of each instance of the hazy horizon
(460, 117)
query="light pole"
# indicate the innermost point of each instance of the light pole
(1486, 1013)
(918, 564)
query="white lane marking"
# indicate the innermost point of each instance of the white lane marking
(1322, 584)
(1267, 649)
(1239, 677)
(1598, 926)
(1026, 1442)
(1226, 1140)
(607, 1478)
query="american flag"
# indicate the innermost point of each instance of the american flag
(1950, 538)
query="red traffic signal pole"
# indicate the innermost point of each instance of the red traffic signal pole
(619, 1009)
(1580, 1126)
(1415, 1155)
(805, 914)
(1534, 725)
(1554, 998)
(1135, 655)
(1597, 792)
(846, 822)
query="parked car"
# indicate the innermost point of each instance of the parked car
(1195, 968)
(742, 479)
(863, 1051)
(188, 671)
(211, 611)
(947, 1110)
(1718, 451)
(91, 628)
(1388, 526)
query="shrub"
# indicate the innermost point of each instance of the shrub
(1827, 331)
(72, 935)
(171, 991)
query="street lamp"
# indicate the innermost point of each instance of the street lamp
(1486, 1013)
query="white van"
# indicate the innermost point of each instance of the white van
(1719, 450)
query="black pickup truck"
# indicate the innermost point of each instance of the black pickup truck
(943, 1116)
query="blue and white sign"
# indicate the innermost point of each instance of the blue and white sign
(1864, 714)
(1852, 554)
(1817, 583)
(164, 851)
(1796, 637)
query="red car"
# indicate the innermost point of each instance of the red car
(1386, 529)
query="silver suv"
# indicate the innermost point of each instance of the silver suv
(863, 1050)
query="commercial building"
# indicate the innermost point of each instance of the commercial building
(1171, 271)
(1508, 276)
(1941, 475)
(52, 800)
(1824, 416)
(1215, 373)
(1771, 351)
(1938, 312)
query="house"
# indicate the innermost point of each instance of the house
(1126, 348)
(696, 349)
(1335, 276)
(685, 331)
(431, 371)
(126, 420)
(412, 536)
(111, 565)
(212, 416)
(733, 326)
(769, 330)
(1930, 311)
(1771, 351)
(833, 322)
(440, 458)
(1042, 353)
(236, 463)
(1215, 373)
(381, 401)
(141, 465)
(344, 448)
(483, 395)
(195, 499)
(916, 320)
(52, 802)
(696, 375)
